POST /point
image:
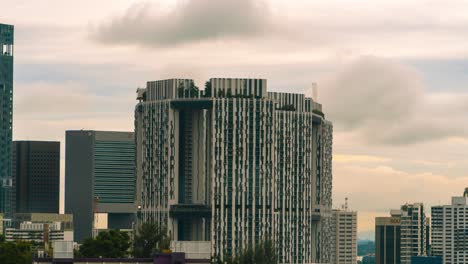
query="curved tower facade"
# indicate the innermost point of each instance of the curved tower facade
(234, 165)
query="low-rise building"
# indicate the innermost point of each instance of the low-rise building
(40, 227)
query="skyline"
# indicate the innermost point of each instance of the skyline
(407, 125)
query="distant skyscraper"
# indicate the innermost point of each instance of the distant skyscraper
(236, 166)
(402, 235)
(450, 231)
(6, 117)
(99, 178)
(344, 233)
(36, 176)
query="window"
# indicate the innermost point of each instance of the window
(7, 49)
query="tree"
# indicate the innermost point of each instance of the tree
(193, 90)
(180, 91)
(15, 252)
(229, 93)
(264, 252)
(287, 108)
(208, 89)
(150, 238)
(108, 244)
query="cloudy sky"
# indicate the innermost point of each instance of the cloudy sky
(392, 76)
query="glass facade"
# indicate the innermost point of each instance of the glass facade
(6, 117)
(114, 171)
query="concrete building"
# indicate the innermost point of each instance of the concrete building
(99, 180)
(344, 232)
(450, 230)
(40, 227)
(36, 176)
(402, 235)
(6, 117)
(235, 165)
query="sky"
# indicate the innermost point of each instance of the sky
(392, 76)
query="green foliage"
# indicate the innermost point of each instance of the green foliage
(365, 248)
(150, 238)
(208, 89)
(191, 91)
(108, 244)
(19, 252)
(262, 253)
(318, 112)
(287, 108)
(180, 91)
(368, 260)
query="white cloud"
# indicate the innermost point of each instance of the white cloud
(188, 21)
(387, 102)
(358, 158)
(375, 190)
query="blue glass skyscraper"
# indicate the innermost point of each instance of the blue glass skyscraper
(6, 116)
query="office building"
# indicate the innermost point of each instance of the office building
(99, 181)
(6, 117)
(36, 176)
(344, 233)
(387, 240)
(450, 230)
(234, 165)
(402, 235)
(40, 228)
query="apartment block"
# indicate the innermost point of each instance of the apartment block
(235, 164)
(450, 230)
(344, 232)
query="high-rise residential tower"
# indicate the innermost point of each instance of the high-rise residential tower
(235, 165)
(402, 235)
(99, 179)
(6, 117)
(36, 176)
(344, 234)
(450, 230)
